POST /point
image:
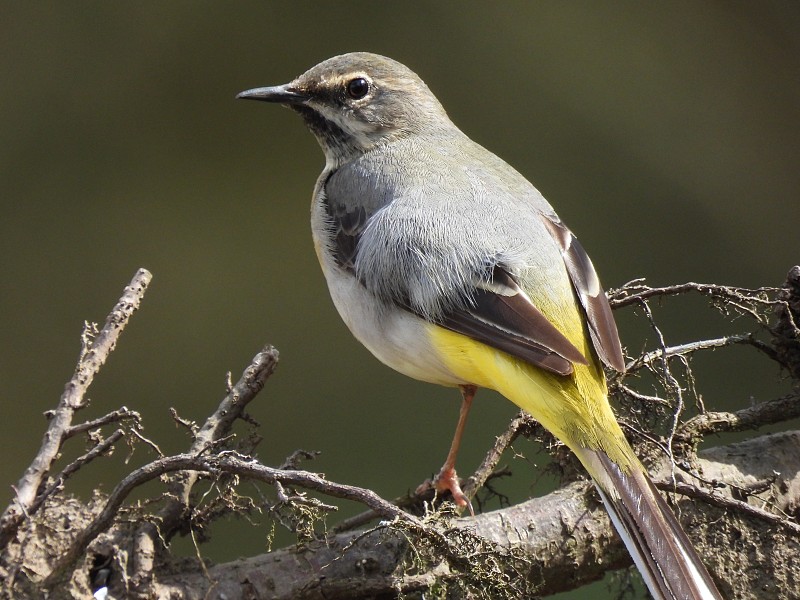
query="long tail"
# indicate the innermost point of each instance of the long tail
(661, 550)
(576, 410)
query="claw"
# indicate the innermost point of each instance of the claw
(447, 481)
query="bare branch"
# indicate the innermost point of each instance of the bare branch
(726, 502)
(551, 544)
(689, 348)
(753, 417)
(98, 450)
(215, 465)
(566, 539)
(636, 291)
(786, 331)
(94, 353)
(495, 453)
(117, 416)
(215, 428)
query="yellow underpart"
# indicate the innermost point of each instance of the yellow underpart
(574, 407)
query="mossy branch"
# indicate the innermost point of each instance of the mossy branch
(731, 499)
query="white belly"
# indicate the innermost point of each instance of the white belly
(395, 336)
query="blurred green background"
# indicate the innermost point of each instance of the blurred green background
(666, 135)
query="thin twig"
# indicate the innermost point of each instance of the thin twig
(635, 291)
(145, 440)
(117, 416)
(670, 381)
(477, 480)
(642, 398)
(688, 348)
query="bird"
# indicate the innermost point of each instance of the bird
(453, 269)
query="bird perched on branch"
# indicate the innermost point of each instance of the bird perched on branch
(450, 267)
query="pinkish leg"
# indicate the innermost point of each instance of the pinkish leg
(447, 479)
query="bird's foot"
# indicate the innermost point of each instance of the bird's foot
(447, 481)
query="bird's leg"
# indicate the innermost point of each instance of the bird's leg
(447, 479)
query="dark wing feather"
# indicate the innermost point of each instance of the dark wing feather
(602, 327)
(501, 315)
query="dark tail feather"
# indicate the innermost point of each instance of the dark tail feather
(661, 550)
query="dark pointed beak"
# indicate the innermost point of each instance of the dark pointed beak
(282, 94)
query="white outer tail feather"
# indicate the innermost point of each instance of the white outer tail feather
(662, 552)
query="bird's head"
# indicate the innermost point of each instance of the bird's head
(356, 101)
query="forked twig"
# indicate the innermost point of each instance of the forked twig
(94, 353)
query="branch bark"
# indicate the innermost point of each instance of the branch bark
(566, 538)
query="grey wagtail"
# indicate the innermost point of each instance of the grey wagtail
(450, 267)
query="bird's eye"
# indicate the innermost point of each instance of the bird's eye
(357, 88)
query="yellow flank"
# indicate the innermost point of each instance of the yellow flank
(574, 407)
